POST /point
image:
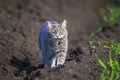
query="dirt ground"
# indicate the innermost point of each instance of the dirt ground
(20, 22)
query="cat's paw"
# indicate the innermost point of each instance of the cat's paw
(60, 60)
(53, 65)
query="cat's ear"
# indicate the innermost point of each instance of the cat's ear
(64, 24)
(49, 24)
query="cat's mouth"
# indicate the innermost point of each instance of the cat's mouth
(55, 42)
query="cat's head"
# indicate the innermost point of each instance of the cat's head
(56, 30)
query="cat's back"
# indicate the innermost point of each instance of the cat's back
(43, 32)
(43, 28)
(41, 35)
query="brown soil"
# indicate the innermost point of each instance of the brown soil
(20, 21)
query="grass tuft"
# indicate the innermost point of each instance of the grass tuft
(113, 72)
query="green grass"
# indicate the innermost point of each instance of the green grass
(93, 34)
(109, 19)
(110, 71)
(112, 15)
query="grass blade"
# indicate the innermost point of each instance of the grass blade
(101, 63)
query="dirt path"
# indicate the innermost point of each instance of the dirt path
(20, 21)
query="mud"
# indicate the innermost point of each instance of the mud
(20, 21)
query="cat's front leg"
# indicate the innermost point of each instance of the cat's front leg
(60, 59)
(53, 65)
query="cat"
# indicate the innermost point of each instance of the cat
(53, 43)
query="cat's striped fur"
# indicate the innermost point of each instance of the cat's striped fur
(53, 43)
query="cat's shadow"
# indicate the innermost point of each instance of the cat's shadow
(22, 65)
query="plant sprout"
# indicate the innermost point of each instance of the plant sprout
(113, 14)
(113, 72)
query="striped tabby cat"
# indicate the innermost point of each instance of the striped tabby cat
(53, 43)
